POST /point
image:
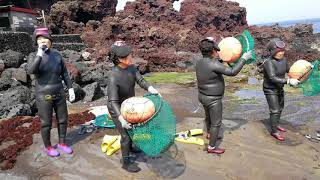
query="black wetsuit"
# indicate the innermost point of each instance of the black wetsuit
(274, 79)
(49, 72)
(211, 88)
(121, 84)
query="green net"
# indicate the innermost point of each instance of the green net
(311, 86)
(247, 43)
(103, 121)
(157, 134)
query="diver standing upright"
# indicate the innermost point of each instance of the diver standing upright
(121, 86)
(211, 87)
(49, 70)
(274, 69)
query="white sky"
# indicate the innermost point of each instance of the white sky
(264, 11)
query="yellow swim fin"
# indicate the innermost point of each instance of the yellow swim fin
(191, 132)
(114, 147)
(194, 132)
(190, 140)
(107, 141)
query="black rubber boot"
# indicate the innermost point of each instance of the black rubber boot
(274, 122)
(130, 166)
(214, 132)
(131, 158)
(135, 149)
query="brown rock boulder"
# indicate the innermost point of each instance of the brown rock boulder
(71, 16)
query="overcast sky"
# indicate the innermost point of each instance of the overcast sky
(264, 11)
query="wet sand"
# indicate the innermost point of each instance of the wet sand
(251, 153)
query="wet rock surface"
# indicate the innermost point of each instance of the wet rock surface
(246, 137)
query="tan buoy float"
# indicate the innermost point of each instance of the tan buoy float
(230, 49)
(300, 70)
(137, 109)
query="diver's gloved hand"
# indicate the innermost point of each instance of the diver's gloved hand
(125, 124)
(152, 90)
(72, 95)
(41, 50)
(247, 55)
(293, 82)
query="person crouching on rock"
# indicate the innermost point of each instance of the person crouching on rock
(121, 83)
(49, 70)
(274, 69)
(211, 87)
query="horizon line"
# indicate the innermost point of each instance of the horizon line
(282, 21)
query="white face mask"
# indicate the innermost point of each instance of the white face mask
(43, 41)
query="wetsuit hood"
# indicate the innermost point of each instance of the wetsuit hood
(44, 32)
(121, 49)
(275, 45)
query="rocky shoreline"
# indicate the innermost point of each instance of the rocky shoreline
(163, 40)
(251, 152)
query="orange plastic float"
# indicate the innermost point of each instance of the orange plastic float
(230, 49)
(137, 109)
(300, 70)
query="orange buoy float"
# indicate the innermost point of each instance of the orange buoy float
(137, 109)
(300, 70)
(230, 49)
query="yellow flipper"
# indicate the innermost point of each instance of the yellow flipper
(192, 132)
(190, 140)
(114, 147)
(107, 141)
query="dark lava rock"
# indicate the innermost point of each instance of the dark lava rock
(12, 97)
(93, 92)
(12, 59)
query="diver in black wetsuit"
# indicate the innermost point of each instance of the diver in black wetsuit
(274, 70)
(211, 86)
(49, 70)
(121, 83)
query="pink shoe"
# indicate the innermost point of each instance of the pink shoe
(281, 129)
(52, 152)
(66, 149)
(278, 136)
(215, 150)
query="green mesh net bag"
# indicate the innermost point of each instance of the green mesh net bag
(104, 121)
(157, 134)
(247, 43)
(311, 86)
